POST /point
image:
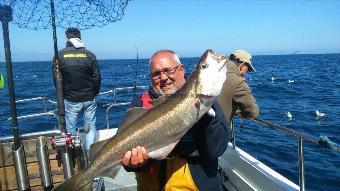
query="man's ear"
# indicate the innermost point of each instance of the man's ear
(240, 67)
(182, 68)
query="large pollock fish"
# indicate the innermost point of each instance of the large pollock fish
(160, 126)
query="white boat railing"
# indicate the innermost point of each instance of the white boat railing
(323, 141)
(48, 133)
(45, 113)
(53, 112)
(114, 100)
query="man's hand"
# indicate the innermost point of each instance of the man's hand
(135, 158)
(239, 113)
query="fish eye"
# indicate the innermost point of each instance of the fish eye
(205, 65)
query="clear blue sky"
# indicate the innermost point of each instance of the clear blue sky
(189, 27)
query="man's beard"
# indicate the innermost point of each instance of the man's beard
(163, 93)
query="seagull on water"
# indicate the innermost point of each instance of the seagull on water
(320, 114)
(289, 115)
(290, 81)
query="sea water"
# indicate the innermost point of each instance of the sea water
(298, 84)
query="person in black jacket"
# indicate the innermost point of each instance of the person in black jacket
(81, 83)
(193, 164)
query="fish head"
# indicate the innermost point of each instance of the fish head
(211, 74)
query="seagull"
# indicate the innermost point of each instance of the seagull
(290, 81)
(289, 115)
(320, 114)
(273, 78)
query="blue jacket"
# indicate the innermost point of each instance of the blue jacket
(210, 137)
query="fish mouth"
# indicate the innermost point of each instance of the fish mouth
(203, 96)
(219, 58)
(224, 63)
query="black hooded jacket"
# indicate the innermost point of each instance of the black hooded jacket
(80, 72)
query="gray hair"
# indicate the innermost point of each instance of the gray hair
(173, 53)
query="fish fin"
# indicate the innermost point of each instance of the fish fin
(163, 152)
(95, 148)
(131, 115)
(110, 172)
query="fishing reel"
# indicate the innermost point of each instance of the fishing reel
(75, 150)
(68, 140)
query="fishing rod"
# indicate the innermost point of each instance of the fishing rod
(322, 141)
(57, 74)
(63, 150)
(18, 150)
(135, 85)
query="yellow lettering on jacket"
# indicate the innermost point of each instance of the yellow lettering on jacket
(75, 56)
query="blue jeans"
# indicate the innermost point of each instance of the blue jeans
(88, 108)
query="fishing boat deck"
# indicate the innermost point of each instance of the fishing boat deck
(7, 170)
(239, 170)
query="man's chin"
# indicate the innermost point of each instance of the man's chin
(165, 91)
(167, 88)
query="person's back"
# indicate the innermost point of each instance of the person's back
(81, 83)
(81, 76)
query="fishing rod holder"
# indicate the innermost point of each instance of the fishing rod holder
(19, 159)
(68, 140)
(44, 163)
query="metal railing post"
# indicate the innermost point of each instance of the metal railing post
(301, 165)
(233, 135)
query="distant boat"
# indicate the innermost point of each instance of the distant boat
(273, 78)
(295, 52)
(291, 81)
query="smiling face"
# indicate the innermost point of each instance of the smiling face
(166, 72)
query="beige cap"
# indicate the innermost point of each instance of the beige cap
(244, 56)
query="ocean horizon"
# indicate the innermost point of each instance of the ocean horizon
(104, 59)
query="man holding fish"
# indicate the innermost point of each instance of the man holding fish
(173, 142)
(193, 162)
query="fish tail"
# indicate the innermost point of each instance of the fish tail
(78, 182)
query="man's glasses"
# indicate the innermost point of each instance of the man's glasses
(167, 71)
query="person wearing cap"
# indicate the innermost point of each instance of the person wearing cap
(236, 96)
